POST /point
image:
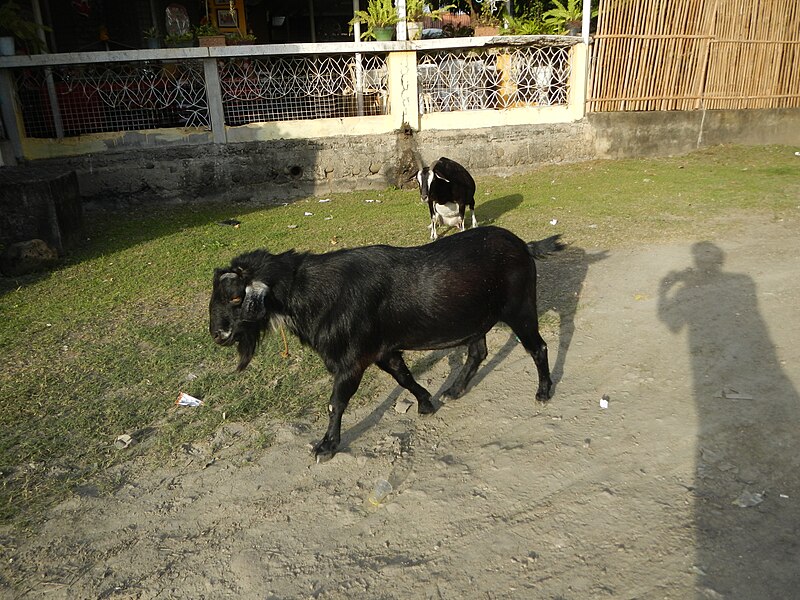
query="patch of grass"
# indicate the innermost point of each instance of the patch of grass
(103, 345)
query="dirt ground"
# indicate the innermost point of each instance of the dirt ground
(687, 485)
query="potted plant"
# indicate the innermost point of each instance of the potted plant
(179, 40)
(151, 38)
(381, 19)
(208, 35)
(486, 19)
(16, 28)
(240, 39)
(567, 18)
(416, 11)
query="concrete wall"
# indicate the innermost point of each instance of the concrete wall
(642, 134)
(279, 170)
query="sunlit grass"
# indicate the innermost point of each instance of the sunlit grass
(103, 345)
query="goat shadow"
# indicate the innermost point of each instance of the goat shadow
(488, 212)
(560, 284)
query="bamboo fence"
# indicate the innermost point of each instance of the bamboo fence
(653, 55)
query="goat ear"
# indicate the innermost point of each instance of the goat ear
(253, 308)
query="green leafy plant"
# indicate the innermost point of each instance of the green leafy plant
(416, 10)
(487, 15)
(205, 29)
(379, 14)
(25, 31)
(177, 39)
(567, 16)
(530, 22)
(521, 26)
(151, 33)
(450, 31)
(240, 38)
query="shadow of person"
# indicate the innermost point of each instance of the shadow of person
(747, 516)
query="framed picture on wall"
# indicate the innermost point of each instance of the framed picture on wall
(225, 18)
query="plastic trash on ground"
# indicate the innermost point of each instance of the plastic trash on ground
(185, 399)
(379, 493)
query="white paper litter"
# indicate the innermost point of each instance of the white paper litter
(185, 399)
(123, 441)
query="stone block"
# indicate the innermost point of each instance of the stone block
(40, 204)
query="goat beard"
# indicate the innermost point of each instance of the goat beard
(247, 340)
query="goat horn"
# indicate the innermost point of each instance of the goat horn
(228, 276)
(253, 307)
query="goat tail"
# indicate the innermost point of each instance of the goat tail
(546, 246)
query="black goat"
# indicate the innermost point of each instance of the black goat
(366, 305)
(448, 189)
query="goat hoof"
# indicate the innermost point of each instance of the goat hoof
(425, 407)
(453, 392)
(544, 395)
(324, 450)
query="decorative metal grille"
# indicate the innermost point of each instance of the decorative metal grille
(287, 88)
(112, 97)
(80, 99)
(493, 78)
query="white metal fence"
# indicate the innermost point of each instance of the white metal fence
(493, 78)
(62, 96)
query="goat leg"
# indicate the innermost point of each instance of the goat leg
(476, 353)
(397, 368)
(537, 348)
(344, 386)
(432, 227)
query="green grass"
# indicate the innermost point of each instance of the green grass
(103, 345)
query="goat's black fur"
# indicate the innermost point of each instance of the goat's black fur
(448, 189)
(366, 305)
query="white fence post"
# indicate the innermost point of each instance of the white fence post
(403, 103)
(214, 98)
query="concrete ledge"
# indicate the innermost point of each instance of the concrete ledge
(284, 169)
(40, 203)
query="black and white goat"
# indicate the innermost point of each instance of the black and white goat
(448, 189)
(364, 306)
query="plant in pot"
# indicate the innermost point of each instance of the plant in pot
(179, 40)
(151, 38)
(208, 35)
(240, 39)
(16, 28)
(416, 11)
(380, 18)
(567, 18)
(486, 19)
